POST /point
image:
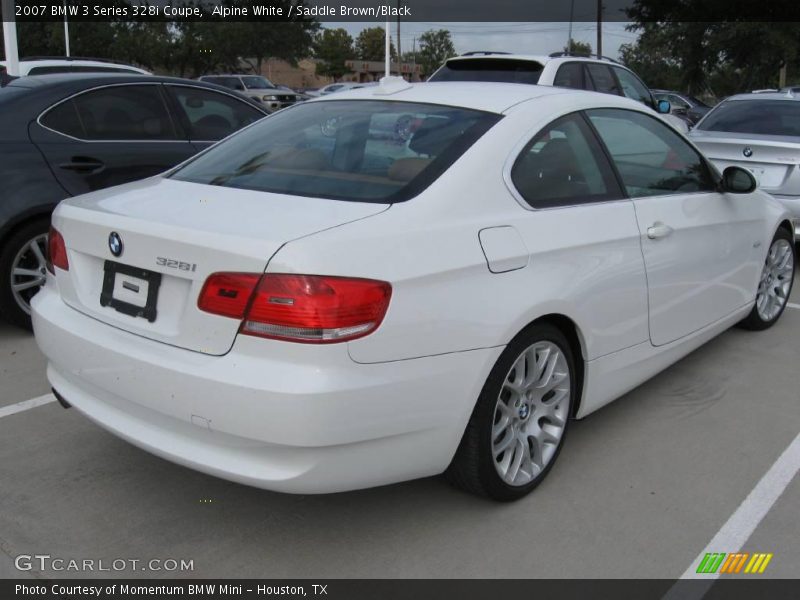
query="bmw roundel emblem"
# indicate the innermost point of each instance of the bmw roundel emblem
(748, 151)
(115, 243)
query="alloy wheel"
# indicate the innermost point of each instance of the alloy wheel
(776, 280)
(29, 271)
(531, 413)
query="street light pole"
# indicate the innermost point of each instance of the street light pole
(599, 27)
(10, 38)
(66, 30)
(387, 57)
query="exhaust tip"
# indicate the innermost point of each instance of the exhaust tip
(60, 399)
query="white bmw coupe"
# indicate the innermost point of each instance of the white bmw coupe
(402, 281)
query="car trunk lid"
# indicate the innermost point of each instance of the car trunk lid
(774, 163)
(173, 235)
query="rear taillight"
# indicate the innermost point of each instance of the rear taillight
(56, 252)
(313, 309)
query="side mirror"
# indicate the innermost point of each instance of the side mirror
(663, 107)
(737, 180)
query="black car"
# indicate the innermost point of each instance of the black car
(685, 106)
(63, 135)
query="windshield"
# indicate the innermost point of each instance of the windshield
(255, 82)
(764, 117)
(367, 151)
(503, 70)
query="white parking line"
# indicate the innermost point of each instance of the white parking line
(26, 405)
(790, 305)
(743, 522)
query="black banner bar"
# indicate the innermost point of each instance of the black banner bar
(749, 588)
(275, 11)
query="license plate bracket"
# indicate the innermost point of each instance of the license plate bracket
(151, 278)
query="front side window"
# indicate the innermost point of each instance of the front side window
(632, 87)
(118, 113)
(651, 158)
(212, 116)
(503, 70)
(564, 165)
(762, 117)
(367, 151)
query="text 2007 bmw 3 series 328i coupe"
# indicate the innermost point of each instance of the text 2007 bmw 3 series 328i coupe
(403, 281)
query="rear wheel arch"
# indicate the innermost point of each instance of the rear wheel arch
(787, 225)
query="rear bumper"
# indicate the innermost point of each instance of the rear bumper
(792, 204)
(312, 421)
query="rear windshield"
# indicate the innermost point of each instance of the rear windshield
(503, 70)
(367, 151)
(764, 117)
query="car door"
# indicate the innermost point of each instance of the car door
(110, 135)
(208, 115)
(698, 244)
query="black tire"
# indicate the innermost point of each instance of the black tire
(473, 467)
(755, 321)
(10, 308)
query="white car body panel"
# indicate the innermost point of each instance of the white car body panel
(392, 405)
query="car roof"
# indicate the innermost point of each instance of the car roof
(476, 95)
(540, 58)
(75, 62)
(786, 95)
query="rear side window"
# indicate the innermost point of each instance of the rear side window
(564, 165)
(632, 87)
(232, 83)
(118, 113)
(367, 151)
(651, 158)
(603, 78)
(212, 116)
(503, 70)
(763, 117)
(570, 75)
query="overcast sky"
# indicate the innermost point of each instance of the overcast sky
(525, 38)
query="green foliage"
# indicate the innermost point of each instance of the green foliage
(371, 44)
(681, 47)
(333, 47)
(578, 48)
(435, 47)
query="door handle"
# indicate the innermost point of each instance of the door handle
(658, 230)
(81, 164)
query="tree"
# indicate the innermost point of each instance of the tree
(709, 55)
(371, 44)
(435, 47)
(333, 47)
(578, 48)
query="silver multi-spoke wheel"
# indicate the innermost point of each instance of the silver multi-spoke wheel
(776, 280)
(29, 271)
(531, 413)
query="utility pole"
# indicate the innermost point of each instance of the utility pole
(782, 76)
(599, 27)
(571, 15)
(10, 38)
(399, 54)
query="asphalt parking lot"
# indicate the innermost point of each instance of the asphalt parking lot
(640, 490)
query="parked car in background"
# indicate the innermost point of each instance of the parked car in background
(313, 307)
(760, 132)
(560, 69)
(258, 88)
(65, 135)
(49, 65)
(685, 106)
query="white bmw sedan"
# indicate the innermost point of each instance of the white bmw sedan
(403, 281)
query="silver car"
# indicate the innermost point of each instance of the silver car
(760, 132)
